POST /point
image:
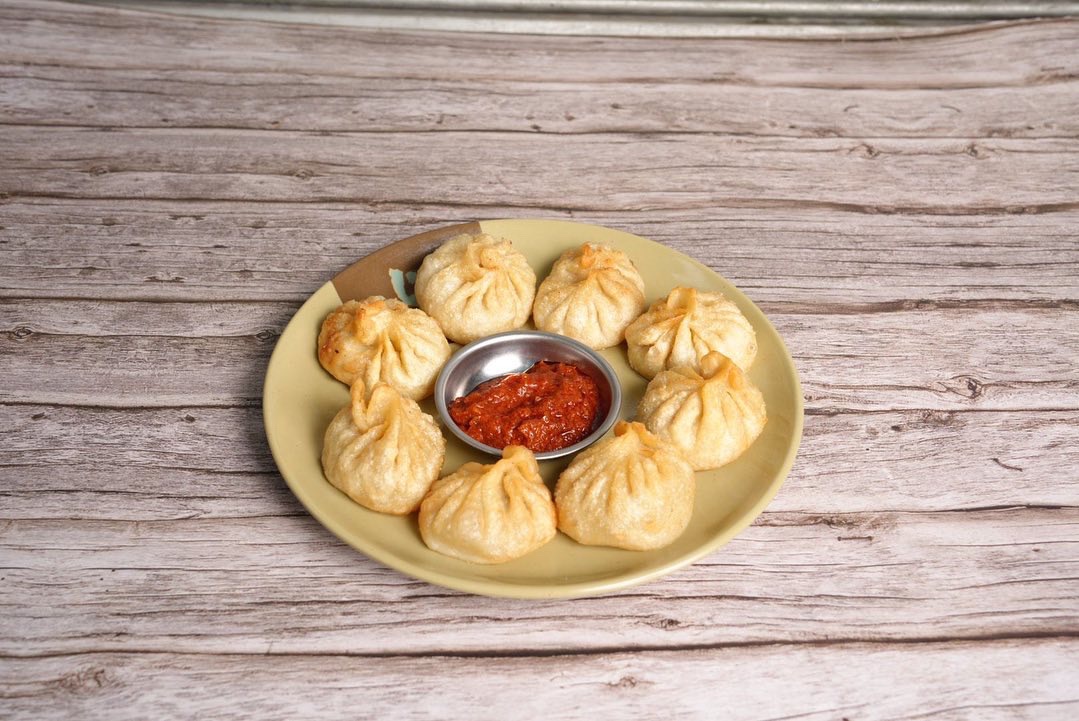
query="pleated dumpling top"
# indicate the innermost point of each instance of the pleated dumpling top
(591, 294)
(489, 513)
(630, 490)
(684, 327)
(383, 341)
(475, 286)
(712, 416)
(384, 452)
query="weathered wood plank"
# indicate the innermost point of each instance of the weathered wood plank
(233, 585)
(46, 33)
(173, 463)
(624, 171)
(904, 211)
(146, 493)
(200, 371)
(166, 529)
(259, 251)
(272, 100)
(986, 681)
(104, 320)
(216, 353)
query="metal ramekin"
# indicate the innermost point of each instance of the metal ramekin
(517, 351)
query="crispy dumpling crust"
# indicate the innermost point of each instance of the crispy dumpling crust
(712, 416)
(631, 490)
(686, 326)
(383, 452)
(591, 294)
(383, 341)
(475, 286)
(489, 514)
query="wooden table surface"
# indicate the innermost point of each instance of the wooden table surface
(906, 212)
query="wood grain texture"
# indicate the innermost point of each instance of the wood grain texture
(195, 462)
(171, 189)
(975, 359)
(149, 98)
(755, 684)
(281, 583)
(993, 56)
(127, 249)
(994, 176)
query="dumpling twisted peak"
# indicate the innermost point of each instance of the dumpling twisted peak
(475, 286)
(712, 416)
(684, 327)
(489, 513)
(592, 293)
(631, 490)
(383, 341)
(383, 451)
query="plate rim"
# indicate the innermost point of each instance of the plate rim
(504, 589)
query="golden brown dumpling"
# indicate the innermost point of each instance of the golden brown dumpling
(475, 286)
(489, 514)
(630, 490)
(712, 416)
(686, 326)
(383, 452)
(592, 293)
(383, 341)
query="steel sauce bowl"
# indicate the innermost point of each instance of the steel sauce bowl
(515, 352)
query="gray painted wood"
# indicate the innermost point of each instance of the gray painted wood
(171, 189)
(866, 681)
(240, 585)
(913, 460)
(849, 359)
(274, 251)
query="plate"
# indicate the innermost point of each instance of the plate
(300, 399)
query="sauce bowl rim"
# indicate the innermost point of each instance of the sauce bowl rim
(598, 361)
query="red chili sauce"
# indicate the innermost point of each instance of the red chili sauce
(549, 406)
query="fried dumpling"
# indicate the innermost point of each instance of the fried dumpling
(489, 514)
(476, 285)
(383, 452)
(631, 490)
(712, 416)
(383, 341)
(592, 293)
(684, 327)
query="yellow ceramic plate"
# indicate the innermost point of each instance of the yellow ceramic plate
(299, 399)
